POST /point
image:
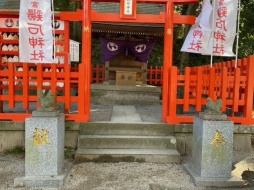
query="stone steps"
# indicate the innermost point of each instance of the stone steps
(126, 142)
(125, 95)
(127, 155)
(136, 129)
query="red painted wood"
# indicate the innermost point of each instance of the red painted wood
(186, 89)
(167, 62)
(134, 10)
(140, 18)
(236, 89)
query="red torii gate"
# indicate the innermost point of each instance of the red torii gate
(87, 16)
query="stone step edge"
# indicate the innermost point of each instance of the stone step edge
(125, 137)
(127, 155)
(166, 152)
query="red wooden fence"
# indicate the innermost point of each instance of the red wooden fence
(233, 85)
(154, 75)
(19, 83)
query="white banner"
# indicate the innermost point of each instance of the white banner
(224, 28)
(35, 32)
(198, 37)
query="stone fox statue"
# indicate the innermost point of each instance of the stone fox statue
(213, 107)
(47, 100)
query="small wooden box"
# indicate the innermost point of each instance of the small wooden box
(126, 78)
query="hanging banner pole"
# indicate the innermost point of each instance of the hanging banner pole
(237, 34)
(214, 3)
(54, 31)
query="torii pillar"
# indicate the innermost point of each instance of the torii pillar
(168, 56)
(85, 75)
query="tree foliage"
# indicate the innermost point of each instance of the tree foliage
(246, 30)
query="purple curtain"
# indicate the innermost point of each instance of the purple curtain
(140, 49)
(111, 48)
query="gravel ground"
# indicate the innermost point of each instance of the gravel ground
(111, 176)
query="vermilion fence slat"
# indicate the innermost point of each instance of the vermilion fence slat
(81, 92)
(199, 89)
(156, 75)
(25, 86)
(54, 78)
(249, 90)
(236, 89)
(224, 88)
(67, 86)
(11, 85)
(186, 89)
(212, 83)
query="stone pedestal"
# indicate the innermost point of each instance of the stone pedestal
(212, 151)
(44, 151)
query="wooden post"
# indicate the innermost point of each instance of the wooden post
(224, 88)
(172, 96)
(144, 74)
(199, 89)
(106, 73)
(11, 85)
(236, 90)
(186, 89)
(211, 84)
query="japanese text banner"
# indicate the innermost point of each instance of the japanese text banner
(197, 40)
(220, 41)
(35, 32)
(224, 28)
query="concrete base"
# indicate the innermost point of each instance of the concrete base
(211, 181)
(44, 181)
